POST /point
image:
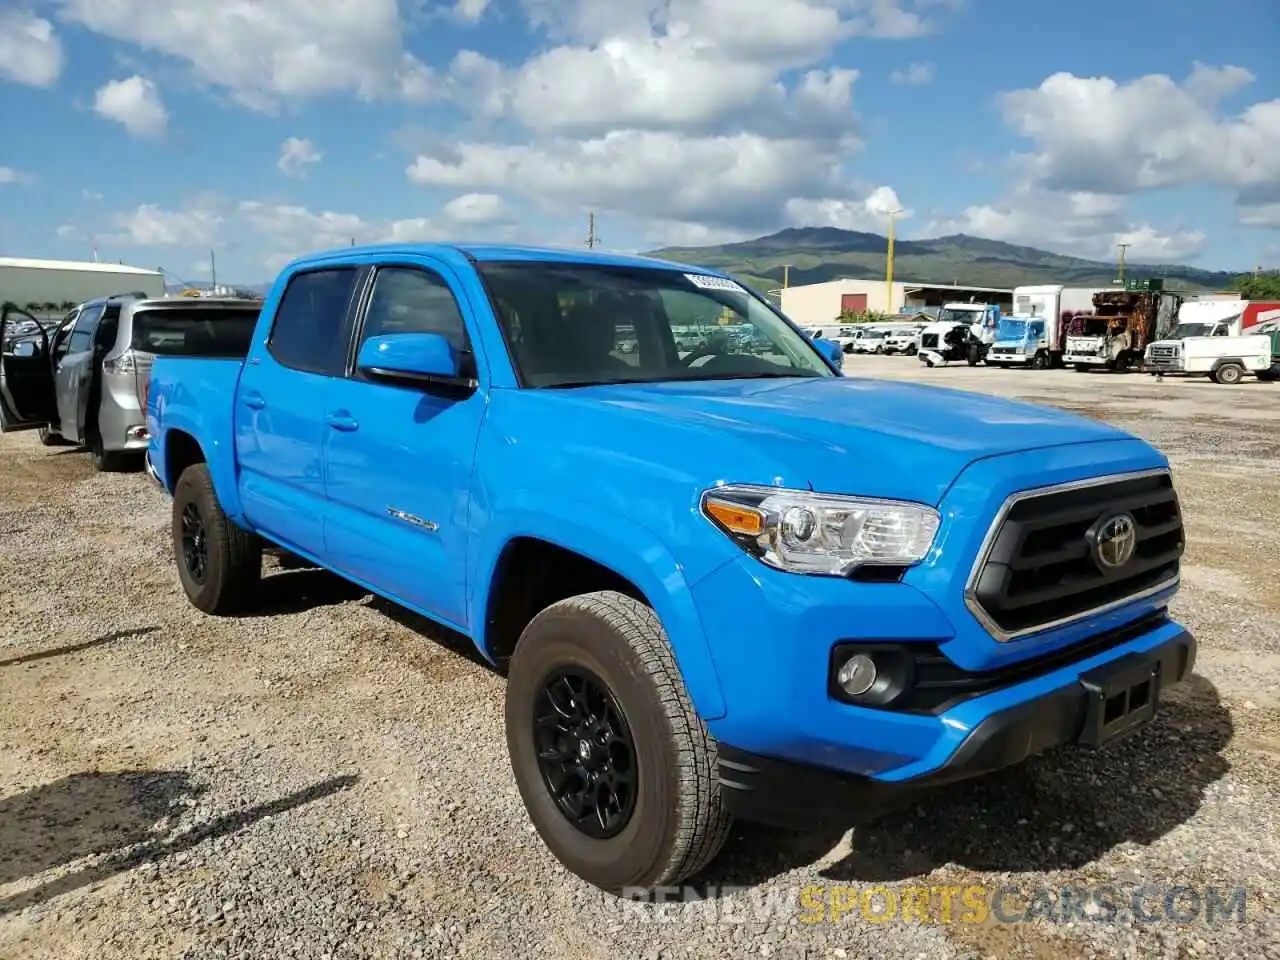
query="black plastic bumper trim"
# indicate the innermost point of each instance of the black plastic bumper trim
(789, 794)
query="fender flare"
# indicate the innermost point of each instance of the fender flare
(1223, 361)
(624, 547)
(218, 456)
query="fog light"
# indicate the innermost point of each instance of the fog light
(857, 675)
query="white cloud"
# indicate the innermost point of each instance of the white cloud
(1079, 223)
(17, 177)
(869, 213)
(915, 75)
(470, 10)
(135, 103)
(151, 225)
(90, 196)
(266, 53)
(476, 209)
(69, 231)
(296, 154)
(1095, 134)
(30, 52)
(734, 180)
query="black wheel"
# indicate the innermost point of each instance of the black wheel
(219, 564)
(107, 461)
(1081, 368)
(616, 769)
(1229, 374)
(1040, 361)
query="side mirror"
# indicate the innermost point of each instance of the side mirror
(420, 357)
(26, 349)
(831, 350)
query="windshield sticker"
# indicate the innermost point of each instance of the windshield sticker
(714, 283)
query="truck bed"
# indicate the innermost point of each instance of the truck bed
(178, 399)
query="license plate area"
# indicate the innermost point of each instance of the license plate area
(1123, 696)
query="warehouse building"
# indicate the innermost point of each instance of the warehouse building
(814, 304)
(35, 285)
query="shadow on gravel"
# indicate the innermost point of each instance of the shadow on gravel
(1059, 811)
(297, 588)
(75, 648)
(122, 815)
(448, 640)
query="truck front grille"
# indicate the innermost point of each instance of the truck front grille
(1161, 353)
(1045, 561)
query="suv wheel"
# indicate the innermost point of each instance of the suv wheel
(616, 770)
(219, 564)
(1229, 374)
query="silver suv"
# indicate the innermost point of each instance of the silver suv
(86, 381)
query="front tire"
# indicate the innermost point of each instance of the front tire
(658, 816)
(219, 563)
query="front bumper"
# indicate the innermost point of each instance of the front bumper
(1080, 709)
(1085, 359)
(994, 357)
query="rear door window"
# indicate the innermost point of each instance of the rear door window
(194, 331)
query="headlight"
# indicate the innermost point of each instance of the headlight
(806, 532)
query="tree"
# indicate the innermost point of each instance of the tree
(1263, 286)
(67, 305)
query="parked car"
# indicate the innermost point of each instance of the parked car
(869, 339)
(85, 381)
(902, 340)
(843, 335)
(723, 586)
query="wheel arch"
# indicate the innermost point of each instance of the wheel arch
(547, 558)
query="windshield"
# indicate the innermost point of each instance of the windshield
(958, 316)
(577, 324)
(194, 331)
(1184, 330)
(1019, 328)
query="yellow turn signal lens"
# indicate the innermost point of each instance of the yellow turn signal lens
(736, 519)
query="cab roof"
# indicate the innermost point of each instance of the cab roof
(489, 253)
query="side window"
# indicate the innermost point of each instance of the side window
(82, 336)
(310, 320)
(414, 300)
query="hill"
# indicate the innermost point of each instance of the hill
(818, 254)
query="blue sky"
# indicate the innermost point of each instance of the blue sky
(261, 129)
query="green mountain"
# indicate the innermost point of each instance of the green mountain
(817, 254)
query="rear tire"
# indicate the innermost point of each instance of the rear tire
(219, 564)
(1040, 361)
(1229, 374)
(675, 821)
(107, 461)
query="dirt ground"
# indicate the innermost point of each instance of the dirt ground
(328, 778)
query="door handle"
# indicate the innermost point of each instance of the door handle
(341, 420)
(254, 401)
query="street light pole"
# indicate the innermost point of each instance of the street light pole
(888, 272)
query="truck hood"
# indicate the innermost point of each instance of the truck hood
(838, 435)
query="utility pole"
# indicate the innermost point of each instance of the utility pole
(888, 273)
(213, 271)
(1123, 247)
(592, 240)
(786, 275)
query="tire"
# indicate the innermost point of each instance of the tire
(677, 821)
(1040, 361)
(1229, 374)
(1081, 368)
(107, 461)
(1270, 375)
(48, 438)
(232, 558)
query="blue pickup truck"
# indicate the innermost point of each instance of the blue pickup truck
(721, 582)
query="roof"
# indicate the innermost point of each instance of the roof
(84, 266)
(497, 252)
(956, 286)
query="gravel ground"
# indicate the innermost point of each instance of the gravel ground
(329, 778)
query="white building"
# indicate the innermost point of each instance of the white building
(814, 304)
(40, 282)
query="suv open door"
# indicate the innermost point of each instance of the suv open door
(27, 398)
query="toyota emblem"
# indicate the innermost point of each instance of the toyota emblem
(1115, 541)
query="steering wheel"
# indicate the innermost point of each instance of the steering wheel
(715, 344)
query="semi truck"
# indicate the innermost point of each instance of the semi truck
(1046, 303)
